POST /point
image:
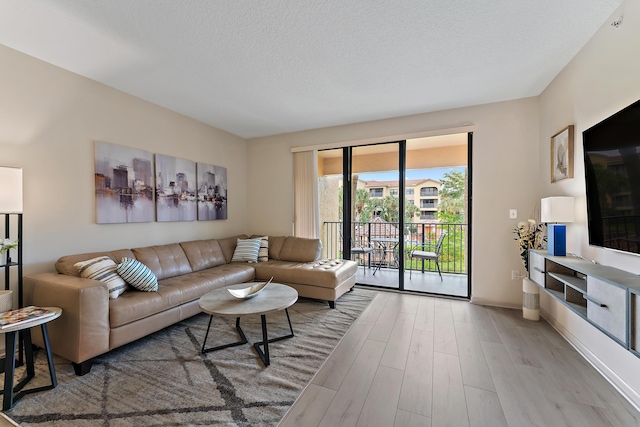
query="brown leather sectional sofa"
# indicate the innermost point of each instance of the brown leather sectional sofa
(92, 324)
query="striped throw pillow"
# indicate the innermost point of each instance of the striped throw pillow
(263, 253)
(247, 250)
(103, 269)
(138, 275)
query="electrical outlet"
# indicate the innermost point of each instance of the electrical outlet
(513, 213)
(515, 274)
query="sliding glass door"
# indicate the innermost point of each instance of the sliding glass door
(377, 214)
(401, 211)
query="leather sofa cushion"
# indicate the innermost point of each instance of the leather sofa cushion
(135, 305)
(165, 261)
(326, 273)
(275, 246)
(65, 265)
(228, 245)
(194, 285)
(299, 249)
(203, 254)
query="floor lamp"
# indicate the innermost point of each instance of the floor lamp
(11, 207)
(557, 210)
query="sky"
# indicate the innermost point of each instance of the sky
(411, 174)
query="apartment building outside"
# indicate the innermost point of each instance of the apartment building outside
(424, 193)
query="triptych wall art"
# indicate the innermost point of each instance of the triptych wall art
(127, 190)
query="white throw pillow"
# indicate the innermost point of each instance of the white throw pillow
(247, 250)
(103, 269)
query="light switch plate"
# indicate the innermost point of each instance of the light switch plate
(513, 213)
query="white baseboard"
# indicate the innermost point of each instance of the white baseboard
(629, 393)
(492, 303)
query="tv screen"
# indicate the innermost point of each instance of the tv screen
(612, 169)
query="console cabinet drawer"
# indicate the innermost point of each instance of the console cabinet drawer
(536, 268)
(611, 316)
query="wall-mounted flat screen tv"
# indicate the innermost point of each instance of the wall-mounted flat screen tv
(612, 169)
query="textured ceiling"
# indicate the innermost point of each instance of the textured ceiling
(256, 68)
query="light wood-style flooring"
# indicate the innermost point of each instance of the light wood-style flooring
(420, 361)
(6, 422)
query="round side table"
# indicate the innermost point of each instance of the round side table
(14, 393)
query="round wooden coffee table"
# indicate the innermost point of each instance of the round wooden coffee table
(274, 297)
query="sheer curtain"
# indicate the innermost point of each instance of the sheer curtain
(305, 188)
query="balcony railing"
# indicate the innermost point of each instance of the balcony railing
(416, 236)
(428, 204)
(427, 192)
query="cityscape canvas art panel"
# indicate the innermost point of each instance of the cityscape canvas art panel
(212, 192)
(175, 189)
(123, 184)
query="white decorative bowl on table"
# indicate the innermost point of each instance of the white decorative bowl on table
(249, 292)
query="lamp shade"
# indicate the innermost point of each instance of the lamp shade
(10, 190)
(556, 209)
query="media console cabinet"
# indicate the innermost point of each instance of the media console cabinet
(606, 297)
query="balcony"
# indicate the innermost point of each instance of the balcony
(385, 259)
(428, 204)
(429, 192)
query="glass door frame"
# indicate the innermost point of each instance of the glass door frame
(347, 199)
(347, 170)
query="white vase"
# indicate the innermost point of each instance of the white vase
(6, 301)
(530, 300)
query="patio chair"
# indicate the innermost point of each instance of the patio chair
(430, 256)
(361, 250)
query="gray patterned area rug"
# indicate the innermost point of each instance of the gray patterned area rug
(164, 379)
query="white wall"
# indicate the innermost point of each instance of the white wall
(505, 175)
(50, 119)
(601, 80)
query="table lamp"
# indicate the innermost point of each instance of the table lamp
(557, 210)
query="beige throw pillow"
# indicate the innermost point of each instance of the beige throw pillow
(105, 270)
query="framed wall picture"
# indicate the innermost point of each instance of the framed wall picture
(562, 154)
(175, 189)
(123, 184)
(212, 192)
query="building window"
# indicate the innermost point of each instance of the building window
(393, 192)
(428, 191)
(409, 192)
(376, 192)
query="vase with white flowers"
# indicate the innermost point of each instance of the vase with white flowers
(530, 235)
(7, 245)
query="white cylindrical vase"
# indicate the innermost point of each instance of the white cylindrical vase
(530, 300)
(6, 301)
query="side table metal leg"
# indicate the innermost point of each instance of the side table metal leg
(28, 352)
(9, 365)
(47, 347)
